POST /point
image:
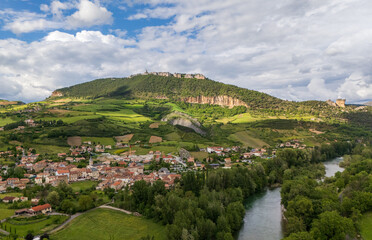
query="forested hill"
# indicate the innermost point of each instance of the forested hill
(152, 86)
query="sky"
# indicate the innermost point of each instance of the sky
(295, 50)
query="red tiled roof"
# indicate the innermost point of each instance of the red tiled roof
(41, 207)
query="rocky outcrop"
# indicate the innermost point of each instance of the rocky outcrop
(182, 119)
(216, 100)
(57, 94)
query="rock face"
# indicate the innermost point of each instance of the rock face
(217, 100)
(338, 103)
(331, 103)
(182, 119)
(57, 94)
(341, 102)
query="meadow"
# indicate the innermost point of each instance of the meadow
(83, 185)
(366, 226)
(4, 211)
(111, 225)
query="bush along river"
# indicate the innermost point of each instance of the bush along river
(263, 216)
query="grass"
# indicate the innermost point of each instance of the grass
(365, 226)
(77, 186)
(11, 194)
(71, 119)
(199, 155)
(5, 121)
(5, 212)
(109, 224)
(36, 227)
(126, 115)
(50, 149)
(247, 139)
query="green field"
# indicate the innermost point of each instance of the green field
(4, 211)
(5, 121)
(77, 186)
(366, 226)
(50, 149)
(247, 139)
(71, 119)
(11, 194)
(39, 226)
(109, 224)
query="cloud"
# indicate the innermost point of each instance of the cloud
(296, 50)
(87, 14)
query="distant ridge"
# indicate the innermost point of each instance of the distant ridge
(368, 103)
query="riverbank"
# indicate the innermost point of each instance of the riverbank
(264, 212)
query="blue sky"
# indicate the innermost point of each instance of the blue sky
(296, 50)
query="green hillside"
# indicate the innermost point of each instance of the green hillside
(152, 86)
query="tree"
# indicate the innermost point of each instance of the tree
(331, 225)
(53, 198)
(85, 202)
(29, 236)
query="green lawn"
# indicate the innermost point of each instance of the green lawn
(77, 186)
(109, 224)
(5, 212)
(366, 226)
(35, 226)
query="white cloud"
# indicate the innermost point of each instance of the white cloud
(292, 49)
(87, 14)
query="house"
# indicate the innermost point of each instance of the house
(23, 211)
(10, 199)
(41, 209)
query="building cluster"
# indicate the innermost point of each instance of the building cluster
(295, 143)
(177, 75)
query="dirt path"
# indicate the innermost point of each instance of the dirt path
(4, 232)
(78, 214)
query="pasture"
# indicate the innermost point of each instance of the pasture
(109, 224)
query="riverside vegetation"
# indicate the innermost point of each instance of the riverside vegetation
(204, 204)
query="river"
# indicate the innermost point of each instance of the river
(263, 216)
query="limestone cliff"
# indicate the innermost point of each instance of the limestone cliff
(216, 100)
(57, 94)
(182, 119)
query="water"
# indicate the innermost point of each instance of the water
(332, 167)
(263, 216)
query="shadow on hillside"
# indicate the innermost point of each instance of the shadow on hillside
(120, 92)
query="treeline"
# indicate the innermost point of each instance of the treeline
(329, 209)
(288, 162)
(204, 205)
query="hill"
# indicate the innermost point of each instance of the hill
(7, 103)
(189, 90)
(368, 103)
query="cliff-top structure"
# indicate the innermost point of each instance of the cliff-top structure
(339, 103)
(168, 74)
